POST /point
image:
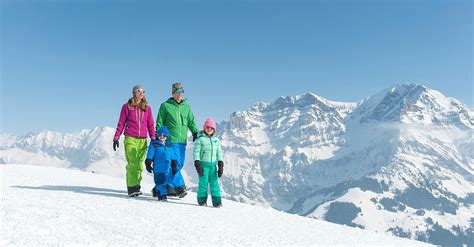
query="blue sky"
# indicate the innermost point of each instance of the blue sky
(69, 65)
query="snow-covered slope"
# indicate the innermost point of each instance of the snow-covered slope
(56, 206)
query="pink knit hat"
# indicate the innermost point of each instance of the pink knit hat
(210, 123)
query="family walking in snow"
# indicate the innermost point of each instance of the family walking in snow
(167, 150)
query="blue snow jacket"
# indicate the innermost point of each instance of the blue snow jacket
(162, 155)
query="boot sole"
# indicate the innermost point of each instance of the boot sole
(183, 194)
(135, 194)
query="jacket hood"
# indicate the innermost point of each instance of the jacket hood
(172, 101)
(203, 134)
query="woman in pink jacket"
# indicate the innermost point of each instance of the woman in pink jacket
(137, 120)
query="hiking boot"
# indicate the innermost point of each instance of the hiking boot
(135, 194)
(170, 191)
(154, 193)
(202, 201)
(216, 202)
(181, 191)
(134, 191)
(162, 198)
(183, 194)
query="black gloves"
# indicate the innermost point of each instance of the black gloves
(199, 169)
(174, 167)
(195, 135)
(116, 145)
(149, 168)
(220, 168)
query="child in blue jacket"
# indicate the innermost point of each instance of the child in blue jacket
(161, 159)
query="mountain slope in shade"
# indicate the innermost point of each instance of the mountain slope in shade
(45, 205)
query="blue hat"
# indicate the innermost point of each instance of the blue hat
(163, 131)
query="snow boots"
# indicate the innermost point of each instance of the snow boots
(134, 191)
(181, 191)
(216, 201)
(162, 198)
(178, 191)
(154, 193)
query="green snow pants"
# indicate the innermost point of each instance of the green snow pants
(135, 153)
(209, 177)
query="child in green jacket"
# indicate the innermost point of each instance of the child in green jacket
(208, 155)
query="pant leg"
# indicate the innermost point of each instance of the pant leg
(182, 155)
(135, 152)
(160, 183)
(160, 173)
(177, 180)
(203, 185)
(214, 183)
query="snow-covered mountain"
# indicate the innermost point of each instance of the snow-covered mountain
(88, 150)
(56, 206)
(401, 161)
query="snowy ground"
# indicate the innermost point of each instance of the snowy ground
(57, 206)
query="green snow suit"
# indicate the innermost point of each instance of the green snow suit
(208, 151)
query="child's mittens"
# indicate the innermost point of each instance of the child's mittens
(148, 163)
(174, 167)
(220, 168)
(199, 169)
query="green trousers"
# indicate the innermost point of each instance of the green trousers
(209, 177)
(135, 153)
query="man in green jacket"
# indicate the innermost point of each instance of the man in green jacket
(176, 115)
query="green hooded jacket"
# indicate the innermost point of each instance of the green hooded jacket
(178, 118)
(207, 149)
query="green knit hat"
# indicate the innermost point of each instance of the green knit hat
(177, 87)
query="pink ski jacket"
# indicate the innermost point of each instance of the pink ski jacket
(137, 123)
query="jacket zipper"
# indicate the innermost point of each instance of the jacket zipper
(178, 114)
(212, 148)
(139, 123)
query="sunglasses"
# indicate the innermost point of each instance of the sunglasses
(180, 91)
(139, 90)
(162, 135)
